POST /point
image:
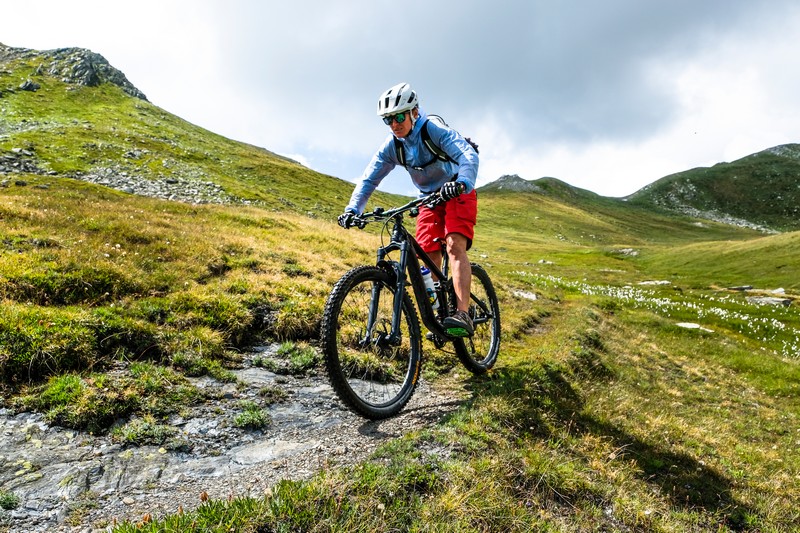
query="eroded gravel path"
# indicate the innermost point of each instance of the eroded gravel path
(71, 481)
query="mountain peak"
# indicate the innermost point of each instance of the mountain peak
(73, 65)
(761, 190)
(791, 151)
(512, 182)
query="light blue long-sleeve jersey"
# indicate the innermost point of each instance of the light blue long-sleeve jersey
(426, 177)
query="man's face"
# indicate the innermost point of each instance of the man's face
(400, 123)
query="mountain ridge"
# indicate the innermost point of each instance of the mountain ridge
(73, 65)
(68, 113)
(759, 191)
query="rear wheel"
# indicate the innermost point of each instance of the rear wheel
(478, 353)
(374, 374)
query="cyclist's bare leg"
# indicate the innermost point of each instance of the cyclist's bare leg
(460, 268)
(437, 260)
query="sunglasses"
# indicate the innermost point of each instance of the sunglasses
(399, 118)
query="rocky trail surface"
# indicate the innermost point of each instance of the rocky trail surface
(69, 481)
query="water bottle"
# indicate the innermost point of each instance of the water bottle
(429, 288)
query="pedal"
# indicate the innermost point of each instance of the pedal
(457, 332)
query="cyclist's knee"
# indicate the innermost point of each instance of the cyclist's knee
(456, 244)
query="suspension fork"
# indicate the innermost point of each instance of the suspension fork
(372, 314)
(399, 292)
(397, 271)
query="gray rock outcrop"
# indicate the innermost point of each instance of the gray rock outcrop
(72, 65)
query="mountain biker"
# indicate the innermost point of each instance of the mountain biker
(453, 220)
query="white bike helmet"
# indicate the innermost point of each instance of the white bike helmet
(397, 99)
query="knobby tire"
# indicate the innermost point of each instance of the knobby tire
(478, 353)
(374, 378)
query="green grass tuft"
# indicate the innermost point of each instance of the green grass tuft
(8, 500)
(252, 416)
(291, 358)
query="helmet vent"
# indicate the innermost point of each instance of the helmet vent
(397, 99)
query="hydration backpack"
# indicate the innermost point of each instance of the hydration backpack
(438, 153)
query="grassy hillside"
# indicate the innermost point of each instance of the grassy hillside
(763, 189)
(595, 238)
(72, 130)
(766, 263)
(606, 412)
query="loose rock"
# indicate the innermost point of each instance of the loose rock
(53, 470)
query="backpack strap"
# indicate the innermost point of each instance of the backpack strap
(399, 151)
(441, 154)
(438, 153)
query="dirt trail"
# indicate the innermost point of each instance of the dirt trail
(71, 481)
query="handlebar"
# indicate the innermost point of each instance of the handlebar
(379, 214)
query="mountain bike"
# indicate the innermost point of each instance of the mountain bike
(370, 333)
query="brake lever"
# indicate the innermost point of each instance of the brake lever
(434, 200)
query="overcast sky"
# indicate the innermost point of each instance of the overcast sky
(605, 95)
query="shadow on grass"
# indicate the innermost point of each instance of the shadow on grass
(551, 406)
(416, 416)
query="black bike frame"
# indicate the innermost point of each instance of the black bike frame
(407, 266)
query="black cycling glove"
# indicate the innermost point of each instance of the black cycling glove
(346, 219)
(451, 189)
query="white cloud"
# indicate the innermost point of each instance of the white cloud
(735, 97)
(608, 96)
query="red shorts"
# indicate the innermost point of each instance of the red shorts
(459, 215)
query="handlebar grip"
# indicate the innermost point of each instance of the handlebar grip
(435, 199)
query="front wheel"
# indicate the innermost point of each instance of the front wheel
(478, 353)
(371, 371)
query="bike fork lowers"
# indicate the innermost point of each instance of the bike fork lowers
(399, 269)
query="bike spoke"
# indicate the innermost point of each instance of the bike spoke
(479, 352)
(370, 370)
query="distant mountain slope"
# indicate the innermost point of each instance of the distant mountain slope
(760, 190)
(69, 113)
(534, 212)
(512, 183)
(72, 65)
(550, 186)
